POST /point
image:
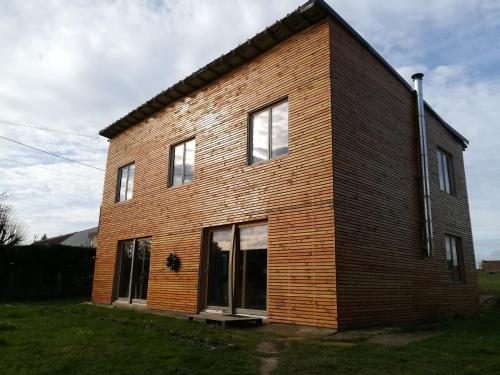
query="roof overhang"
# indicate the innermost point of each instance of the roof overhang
(306, 15)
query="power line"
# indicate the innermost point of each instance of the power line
(48, 129)
(39, 166)
(50, 153)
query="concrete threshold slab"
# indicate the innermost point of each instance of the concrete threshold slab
(226, 319)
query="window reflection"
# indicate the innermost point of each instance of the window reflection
(453, 258)
(178, 164)
(269, 129)
(280, 129)
(130, 182)
(140, 273)
(218, 263)
(260, 134)
(445, 171)
(133, 271)
(126, 254)
(183, 163)
(251, 271)
(189, 161)
(125, 182)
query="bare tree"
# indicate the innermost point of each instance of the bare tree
(11, 231)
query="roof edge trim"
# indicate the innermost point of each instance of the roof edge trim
(319, 10)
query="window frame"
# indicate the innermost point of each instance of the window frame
(119, 179)
(172, 162)
(203, 282)
(443, 155)
(459, 278)
(117, 275)
(266, 107)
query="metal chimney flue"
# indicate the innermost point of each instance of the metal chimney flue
(424, 167)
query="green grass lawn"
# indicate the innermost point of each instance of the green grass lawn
(489, 283)
(462, 346)
(71, 338)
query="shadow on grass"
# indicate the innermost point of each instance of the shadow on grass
(461, 346)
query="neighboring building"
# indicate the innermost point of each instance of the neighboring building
(84, 238)
(285, 178)
(490, 265)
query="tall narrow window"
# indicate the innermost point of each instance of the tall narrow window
(453, 257)
(218, 278)
(182, 163)
(269, 133)
(125, 185)
(445, 168)
(251, 267)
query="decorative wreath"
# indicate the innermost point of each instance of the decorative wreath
(173, 262)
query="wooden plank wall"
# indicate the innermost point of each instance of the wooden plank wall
(382, 276)
(294, 192)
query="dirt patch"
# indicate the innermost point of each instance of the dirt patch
(391, 336)
(294, 331)
(269, 361)
(354, 336)
(268, 365)
(401, 338)
(268, 348)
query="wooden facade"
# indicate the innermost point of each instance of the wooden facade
(490, 266)
(382, 274)
(342, 207)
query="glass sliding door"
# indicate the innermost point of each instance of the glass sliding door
(126, 254)
(140, 271)
(133, 270)
(219, 251)
(251, 267)
(236, 279)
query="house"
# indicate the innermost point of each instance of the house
(83, 238)
(298, 177)
(490, 265)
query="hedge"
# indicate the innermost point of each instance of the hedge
(42, 272)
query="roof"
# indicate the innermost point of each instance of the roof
(77, 239)
(54, 240)
(306, 15)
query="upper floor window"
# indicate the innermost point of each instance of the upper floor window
(453, 258)
(182, 163)
(125, 186)
(445, 168)
(268, 133)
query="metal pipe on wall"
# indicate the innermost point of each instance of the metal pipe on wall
(424, 166)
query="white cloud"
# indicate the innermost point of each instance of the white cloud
(78, 66)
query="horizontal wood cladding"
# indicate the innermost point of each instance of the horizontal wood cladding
(382, 276)
(294, 193)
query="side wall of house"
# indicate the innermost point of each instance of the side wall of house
(382, 276)
(293, 193)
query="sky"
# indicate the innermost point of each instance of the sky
(77, 66)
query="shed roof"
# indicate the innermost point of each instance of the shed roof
(306, 15)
